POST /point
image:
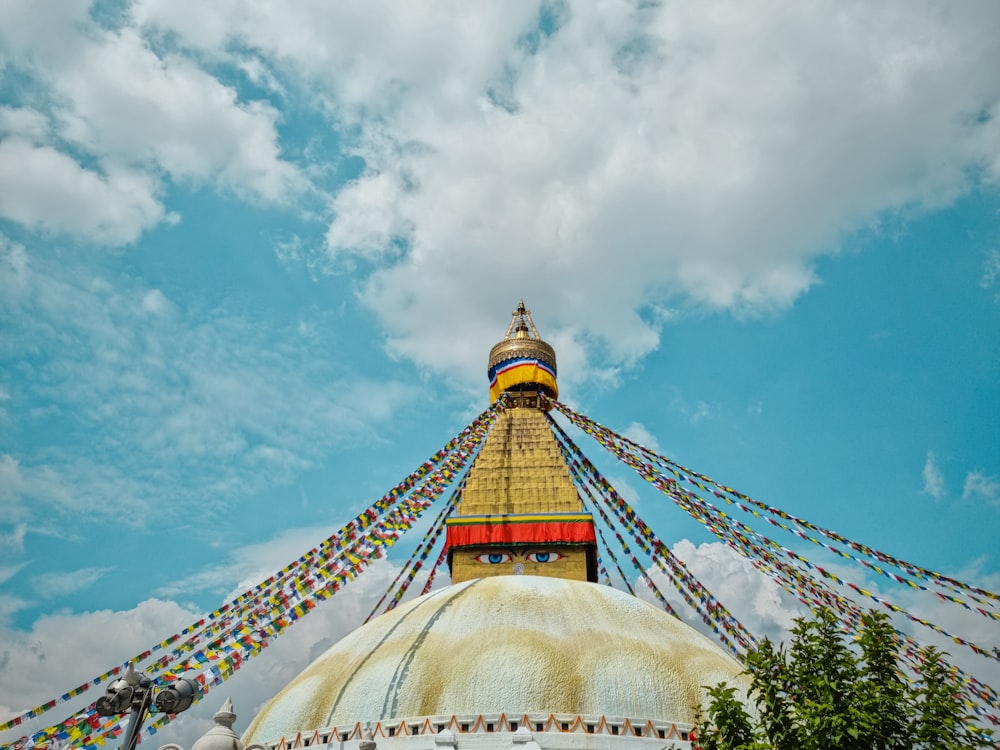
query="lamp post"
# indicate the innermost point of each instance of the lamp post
(133, 693)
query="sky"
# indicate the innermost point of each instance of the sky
(253, 258)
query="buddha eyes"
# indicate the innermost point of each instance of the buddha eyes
(497, 558)
(493, 558)
(543, 557)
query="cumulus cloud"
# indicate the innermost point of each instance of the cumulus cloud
(111, 119)
(755, 600)
(126, 102)
(45, 189)
(24, 122)
(707, 151)
(63, 650)
(955, 620)
(765, 609)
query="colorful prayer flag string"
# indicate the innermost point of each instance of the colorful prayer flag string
(284, 597)
(791, 570)
(711, 611)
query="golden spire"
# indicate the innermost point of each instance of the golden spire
(520, 512)
(522, 361)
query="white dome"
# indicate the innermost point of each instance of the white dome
(514, 644)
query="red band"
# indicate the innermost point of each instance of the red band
(499, 532)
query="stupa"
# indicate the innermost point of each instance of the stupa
(524, 648)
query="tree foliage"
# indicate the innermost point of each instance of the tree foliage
(822, 693)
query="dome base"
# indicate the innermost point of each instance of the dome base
(511, 645)
(502, 731)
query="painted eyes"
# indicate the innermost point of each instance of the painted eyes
(498, 558)
(543, 557)
(493, 558)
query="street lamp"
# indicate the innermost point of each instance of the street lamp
(133, 693)
(177, 697)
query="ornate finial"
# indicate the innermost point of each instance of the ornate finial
(522, 362)
(521, 324)
(367, 740)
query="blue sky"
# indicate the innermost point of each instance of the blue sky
(252, 261)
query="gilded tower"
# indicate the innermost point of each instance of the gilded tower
(520, 512)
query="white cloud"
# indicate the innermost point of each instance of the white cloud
(638, 433)
(117, 119)
(980, 486)
(23, 122)
(696, 412)
(704, 411)
(757, 602)
(933, 478)
(10, 489)
(708, 153)
(955, 620)
(44, 495)
(371, 224)
(977, 486)
(417, 46)
(128, 103)
(155, 302)
(9, 571)
(248, 565)
(991, 271)
(53, 585)
(45, 189)
(9, 606)
(63, 650)
(767, 610)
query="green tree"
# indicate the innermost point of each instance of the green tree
(825, 694)
(883, 697)
(939, 708)
(734, 730)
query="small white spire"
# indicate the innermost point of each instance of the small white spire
(221, 736)
(225, 716)
(523, 739)
(445, 738)
(367, 740)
